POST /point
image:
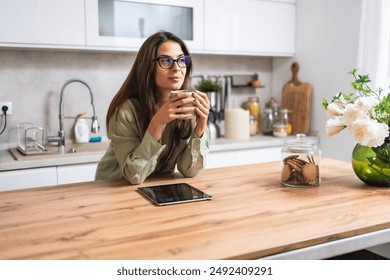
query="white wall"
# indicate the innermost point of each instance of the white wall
(326, 49)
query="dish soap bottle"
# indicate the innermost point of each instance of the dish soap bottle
(81, 130)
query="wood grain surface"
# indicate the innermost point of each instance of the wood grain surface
(297, 96)
(251, 215)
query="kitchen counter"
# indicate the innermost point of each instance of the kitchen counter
(12, 159)
(250, 216)
(10, 162)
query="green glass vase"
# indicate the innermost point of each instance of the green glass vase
(372, 165)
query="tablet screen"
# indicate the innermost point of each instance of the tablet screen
(173, 194)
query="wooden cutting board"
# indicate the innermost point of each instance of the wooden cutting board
(297, 96)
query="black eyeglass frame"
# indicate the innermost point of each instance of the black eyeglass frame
(187, 61)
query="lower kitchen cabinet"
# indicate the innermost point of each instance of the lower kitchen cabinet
(241, 157)
(76, 173)
(46, 176)
(28, 178)
(258, 155)
(220, 159)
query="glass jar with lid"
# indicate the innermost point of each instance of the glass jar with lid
(301, 162)
(284, 118)
(254, 110)
(267, 121)
(279, 130)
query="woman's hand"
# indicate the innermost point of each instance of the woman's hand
(170, 110)
(202, 110)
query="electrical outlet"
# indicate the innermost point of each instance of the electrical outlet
(9, 105)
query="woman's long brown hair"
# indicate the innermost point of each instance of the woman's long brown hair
(140, 85)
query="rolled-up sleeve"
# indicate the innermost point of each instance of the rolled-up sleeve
(193, 159)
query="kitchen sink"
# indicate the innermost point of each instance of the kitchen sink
(70, 150)
(80, 148)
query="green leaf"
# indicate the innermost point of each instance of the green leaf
(325, 103)
(353, 71)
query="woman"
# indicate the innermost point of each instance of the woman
(149, 132)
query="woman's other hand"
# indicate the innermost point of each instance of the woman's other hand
(202, 110)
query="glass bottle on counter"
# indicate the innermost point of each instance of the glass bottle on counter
(254, 109)
(301, 162)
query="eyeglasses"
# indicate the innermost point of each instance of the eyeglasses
(166, 62)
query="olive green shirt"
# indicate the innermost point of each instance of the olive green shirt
(134, 157)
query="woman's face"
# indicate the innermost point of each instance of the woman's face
(172, 78)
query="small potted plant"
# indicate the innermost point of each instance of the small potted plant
(207, 85)
(212, 89)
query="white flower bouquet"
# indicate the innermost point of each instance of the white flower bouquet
(365, 112)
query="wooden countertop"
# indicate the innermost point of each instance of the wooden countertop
(251, 216)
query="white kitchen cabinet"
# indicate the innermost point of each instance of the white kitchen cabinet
(28, 178)
(42, 23)
(247, 27)
(125, 24)
(47, 176)
(76, 173)
(242, 157)
(258, 155)
(255, 27)
(221, 159)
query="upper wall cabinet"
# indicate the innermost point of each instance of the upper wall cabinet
(258, 27)
(125, 24)
(245, 27)
(42, 22)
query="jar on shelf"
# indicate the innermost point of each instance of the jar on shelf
(267, 121)
(254, 109)
(284, 118)
(301, 162)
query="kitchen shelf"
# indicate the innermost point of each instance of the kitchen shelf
(244, 81)
(246, 86)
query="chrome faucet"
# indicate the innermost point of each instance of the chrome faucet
(60, 138)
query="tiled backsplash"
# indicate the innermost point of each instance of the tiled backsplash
(32, 81)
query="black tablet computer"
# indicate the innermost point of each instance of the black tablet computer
(173, 194)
